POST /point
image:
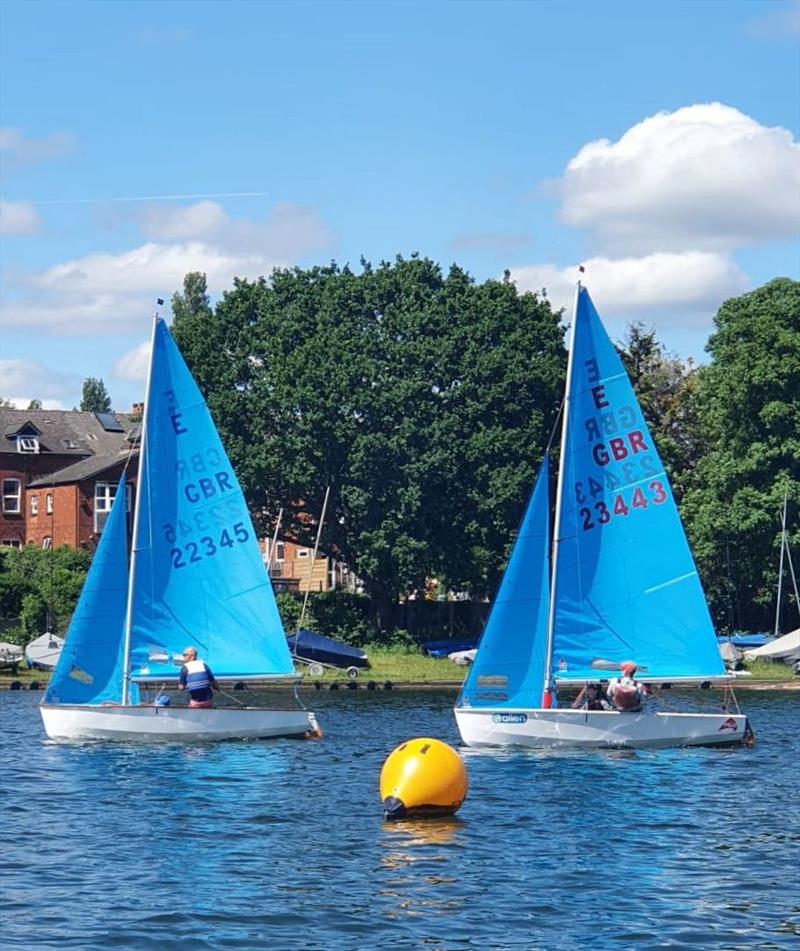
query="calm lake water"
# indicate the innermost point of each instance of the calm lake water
(282, 844)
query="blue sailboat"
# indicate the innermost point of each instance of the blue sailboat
(617, 583)
(195, 578)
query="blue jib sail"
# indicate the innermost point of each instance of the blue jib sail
(89, 669)
(508, 669)
(627, 587)
(199, 577)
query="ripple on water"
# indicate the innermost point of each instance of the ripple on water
(282, 845)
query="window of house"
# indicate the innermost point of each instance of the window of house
(104, 493)
(27, 443)
(280, 550)
(48, 503)
(302, 553)
(12, 489)
(69, 444)
(11, 543)
(34, 505)
(47, 542)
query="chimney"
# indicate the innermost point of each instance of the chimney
(137, 409)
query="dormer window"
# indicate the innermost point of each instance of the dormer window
(27, 443)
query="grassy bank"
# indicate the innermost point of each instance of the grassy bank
(409, 667)
(402, 666)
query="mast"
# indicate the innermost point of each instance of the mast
(126, 655)
(547, 699)
(784, 545)
(313, 559)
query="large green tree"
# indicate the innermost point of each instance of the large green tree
(94, 396)
(423, 400)
(666, 388)
(749, 406)
(40, 588)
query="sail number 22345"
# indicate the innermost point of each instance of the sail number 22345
(207, 546)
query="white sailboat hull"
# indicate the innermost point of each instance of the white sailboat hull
(598, 728)
(172, 724)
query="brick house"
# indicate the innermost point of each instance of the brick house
(59, 471)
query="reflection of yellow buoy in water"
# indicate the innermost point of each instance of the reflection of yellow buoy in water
(423, 777)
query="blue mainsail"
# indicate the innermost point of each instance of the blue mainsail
(89, 669)
(509, 666)
(626, 587)
(199, 577)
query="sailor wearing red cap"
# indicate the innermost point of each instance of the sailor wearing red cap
(626, 693)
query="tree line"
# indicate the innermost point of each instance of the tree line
(425, 400)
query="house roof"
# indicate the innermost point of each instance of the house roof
(67, 432)
(79, 471)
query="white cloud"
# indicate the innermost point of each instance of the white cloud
(113, 293)
(24, 380)
(780, 24)
(17, 151)
(288, 232)
(706, 176)
(201, 220)
(683, 289)
(133, 365)
(18, 217)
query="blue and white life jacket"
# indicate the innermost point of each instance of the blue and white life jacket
(198, 676)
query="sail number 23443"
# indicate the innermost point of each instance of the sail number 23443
(602, 511)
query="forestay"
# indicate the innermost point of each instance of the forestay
(626, 586)
(509, 666)
(89, 669)
(199, 576)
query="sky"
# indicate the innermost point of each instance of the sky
(656, 143)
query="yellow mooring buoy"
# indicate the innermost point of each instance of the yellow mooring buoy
(423, 777)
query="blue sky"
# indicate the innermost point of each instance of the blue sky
(656, 142)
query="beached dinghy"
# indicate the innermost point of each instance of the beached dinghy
(195, 577)
(623, 584)
(42, 652)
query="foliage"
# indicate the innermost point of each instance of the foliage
(424, 401)
(666, 388)
(35, 404)
(94, 396)
(289, 608)
(194, 302)
(40, 588)
(343, 616)
(749, 410)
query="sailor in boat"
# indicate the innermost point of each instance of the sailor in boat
(626, 693)
(591, 697)
(196, 677)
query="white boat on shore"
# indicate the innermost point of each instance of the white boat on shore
(622, 585)
(195, 578)
(43, 651)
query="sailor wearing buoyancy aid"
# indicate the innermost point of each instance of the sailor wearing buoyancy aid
(626, 693)
(196, 677)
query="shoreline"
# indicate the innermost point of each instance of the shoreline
(13, 683)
